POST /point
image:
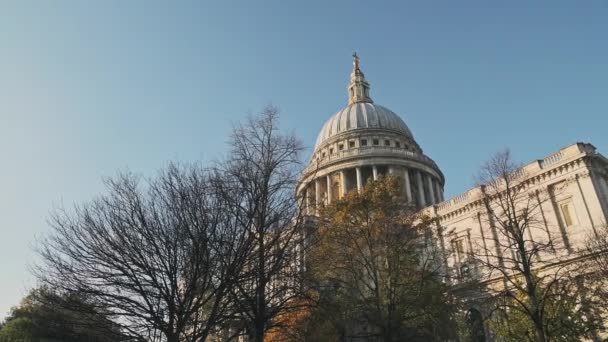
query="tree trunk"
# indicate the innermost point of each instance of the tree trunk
(257, 333)
(540, 333)
(172, 337)
(538, 322)
(531, 287)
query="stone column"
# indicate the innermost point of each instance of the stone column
(375, 172)
(408, 185)
(317, 195)
(342, 183)
(359, 179)
(429, 179)
(328, 189)
(421, 197)
(582, 194)
(603, 188)
(437, 191)
(604, 184)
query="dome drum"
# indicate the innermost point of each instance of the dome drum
(365, 138)
(370, 156)
(422, 186)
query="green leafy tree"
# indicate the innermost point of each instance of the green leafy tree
(50, 316)
(375, 261)
(564, 321)
(17, 329)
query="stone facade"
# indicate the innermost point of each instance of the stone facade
(578, 211)
(365, 141)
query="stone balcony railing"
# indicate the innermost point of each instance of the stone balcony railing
(552, 159)
(365, 151)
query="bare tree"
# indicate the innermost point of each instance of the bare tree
(158, 257)
(597, 269)
(259, 179)
(520, 261)
(597, 246)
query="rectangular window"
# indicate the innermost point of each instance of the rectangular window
(459, 250)
(459, 247)
(331, 151)
(341, 147)
(567, 214)
(363, 142)
(351, 144)
(376, 142)
(397, 144)
(387, 143)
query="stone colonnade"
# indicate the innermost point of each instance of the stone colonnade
(419, 187)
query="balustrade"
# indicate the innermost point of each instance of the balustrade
(359, 151)
(552, 159)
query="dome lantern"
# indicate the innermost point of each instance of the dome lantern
(358, 88)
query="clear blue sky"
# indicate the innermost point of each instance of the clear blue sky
(89, 88)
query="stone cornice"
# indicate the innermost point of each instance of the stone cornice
(535, 174)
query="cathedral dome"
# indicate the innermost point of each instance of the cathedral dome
(362, 142)
(362, 115)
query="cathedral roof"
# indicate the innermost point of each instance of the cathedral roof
(362, 115)
(361, 112)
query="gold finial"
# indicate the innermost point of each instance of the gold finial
(355, 61)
